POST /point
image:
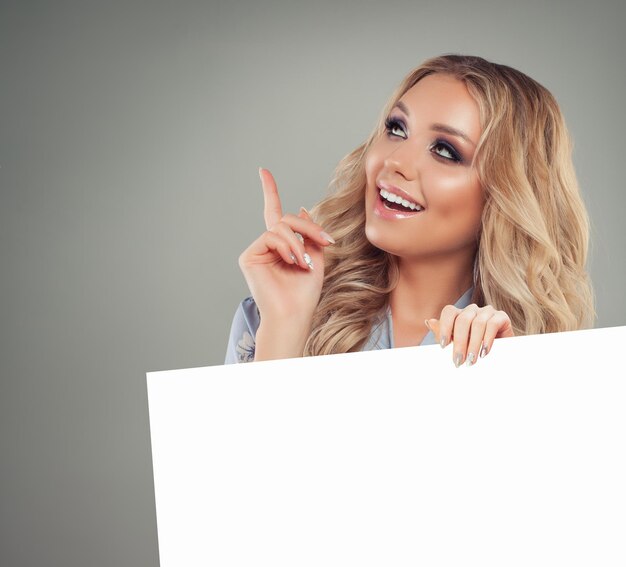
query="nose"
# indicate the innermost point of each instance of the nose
(403, 160)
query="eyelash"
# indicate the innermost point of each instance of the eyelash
(393, 123)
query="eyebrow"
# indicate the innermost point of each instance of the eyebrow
(437, 127)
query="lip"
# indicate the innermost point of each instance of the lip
(401, 192)
(382, 211)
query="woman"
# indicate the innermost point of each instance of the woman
(458, 221)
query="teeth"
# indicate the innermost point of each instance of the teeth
(392, 198)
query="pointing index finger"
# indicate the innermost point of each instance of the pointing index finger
(272, 210)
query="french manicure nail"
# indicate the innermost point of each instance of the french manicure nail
(443, 342)
(327, 236)
(293, 258)
(308, 260)
(458, 359)
(470, 358)
(483, 351)
(303, 210)
(427, 324)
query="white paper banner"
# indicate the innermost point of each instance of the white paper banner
(397, 457)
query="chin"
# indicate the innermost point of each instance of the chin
(376, 238)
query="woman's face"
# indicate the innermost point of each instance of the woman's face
(423, 159)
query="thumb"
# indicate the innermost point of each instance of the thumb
(304, 214)
(433, 325)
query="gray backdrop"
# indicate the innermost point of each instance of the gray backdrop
(130, 138)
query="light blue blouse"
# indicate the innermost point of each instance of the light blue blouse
(247, 319)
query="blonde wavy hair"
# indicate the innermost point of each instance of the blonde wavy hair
(533, 244)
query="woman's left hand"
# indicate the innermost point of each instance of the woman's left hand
(471, 330)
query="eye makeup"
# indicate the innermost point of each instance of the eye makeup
(445, 150)
(440, 148)
(392, 124)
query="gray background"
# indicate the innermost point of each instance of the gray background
(130, 138)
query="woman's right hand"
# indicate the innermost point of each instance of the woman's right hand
(285, 275)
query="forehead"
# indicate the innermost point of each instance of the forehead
(443, 99)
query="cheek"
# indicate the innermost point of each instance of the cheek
(372, 170)
(371, 164)
(456, 194)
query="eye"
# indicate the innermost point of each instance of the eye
(395, 125)
(446, 151)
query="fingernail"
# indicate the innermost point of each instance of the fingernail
(299, 237)
(327, 236)
(293, 258)
(458, 359)
(303, 210)
(470, 358)
(260, 173)
(427, 324)
(443, 342)
(308, 260)
(483, 351)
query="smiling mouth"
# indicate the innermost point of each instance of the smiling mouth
(396, 203)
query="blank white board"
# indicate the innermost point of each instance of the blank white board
(397, 457)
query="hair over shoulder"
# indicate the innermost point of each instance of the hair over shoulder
(532, 250)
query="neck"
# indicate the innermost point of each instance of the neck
(426, 286)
